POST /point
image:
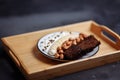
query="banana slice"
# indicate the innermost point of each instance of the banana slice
(59, 42)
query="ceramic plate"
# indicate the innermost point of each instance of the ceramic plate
(48, 40)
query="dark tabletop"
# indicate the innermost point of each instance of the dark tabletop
(22, 16)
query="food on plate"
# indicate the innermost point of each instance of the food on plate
(73, 46)
(81, 48)
(59, 42)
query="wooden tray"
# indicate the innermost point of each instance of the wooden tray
(22, 48)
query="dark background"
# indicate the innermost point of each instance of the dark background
(21, 16)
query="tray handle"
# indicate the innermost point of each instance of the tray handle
(99, 31)
(11, 51)
(16, 59)
(111, 33)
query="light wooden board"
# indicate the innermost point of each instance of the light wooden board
(23, 50)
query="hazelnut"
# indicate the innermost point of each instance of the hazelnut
(64, 46)
(84, 35)
(60, 51)
(57, 55)
(74, 42)
(59, 48)
(81, 37)
(78, 40)
(68, 43)
(61, 56)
